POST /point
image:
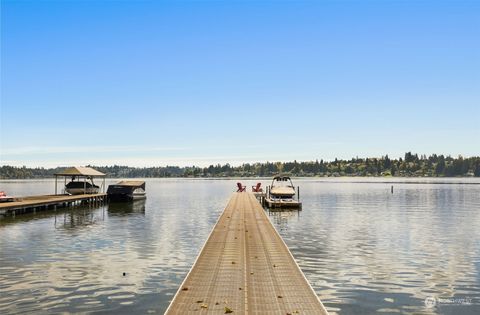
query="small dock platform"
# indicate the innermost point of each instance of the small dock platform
(245, 268)
(274, 203)
(45, 202)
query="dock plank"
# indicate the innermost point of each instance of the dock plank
(246, 267)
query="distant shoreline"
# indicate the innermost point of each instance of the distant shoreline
(263, 177)
(267, 177)
(411, 165)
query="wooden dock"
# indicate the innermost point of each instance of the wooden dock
(45, 202)
(245, 268)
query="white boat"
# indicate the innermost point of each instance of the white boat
(139, 193)
(281, 194)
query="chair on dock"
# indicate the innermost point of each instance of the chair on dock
(4, 197)
(241, 188)
(257, 188)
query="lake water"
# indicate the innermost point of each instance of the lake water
(363, 249)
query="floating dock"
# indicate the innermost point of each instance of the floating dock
(274, 203)
(45, 202)
(245, 268)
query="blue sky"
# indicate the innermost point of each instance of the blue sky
(149, 83)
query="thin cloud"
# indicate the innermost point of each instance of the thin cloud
(79, 149)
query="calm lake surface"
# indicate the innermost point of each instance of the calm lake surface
(363, 249)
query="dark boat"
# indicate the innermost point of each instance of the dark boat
(127, 191)
(78, 187)
(82, 180)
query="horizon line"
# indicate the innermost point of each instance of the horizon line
(52, 165)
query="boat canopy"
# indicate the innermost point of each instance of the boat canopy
(125, 187)
(80, 171)
(132, 183)
(77, 172)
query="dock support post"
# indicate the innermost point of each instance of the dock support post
(298, 192)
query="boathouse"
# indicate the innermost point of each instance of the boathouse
(83, 177)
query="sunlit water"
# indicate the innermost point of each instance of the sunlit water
(363, 249)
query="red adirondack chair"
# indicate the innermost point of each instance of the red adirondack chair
(4, 197)
(240, 187)
(257, 188)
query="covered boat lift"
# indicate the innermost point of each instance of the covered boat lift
(80, 172)
(127, 190)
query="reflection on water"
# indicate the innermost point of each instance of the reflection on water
(280, 218)
(126, 208)
(365, 250)
(74, 260)
(76, 218)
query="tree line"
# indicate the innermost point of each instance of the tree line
(411, 165)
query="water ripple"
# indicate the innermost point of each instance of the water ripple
(365, 250)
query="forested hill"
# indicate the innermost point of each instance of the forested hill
(409, 165)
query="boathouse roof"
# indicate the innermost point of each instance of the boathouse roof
(80, 171)
(131, 183)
